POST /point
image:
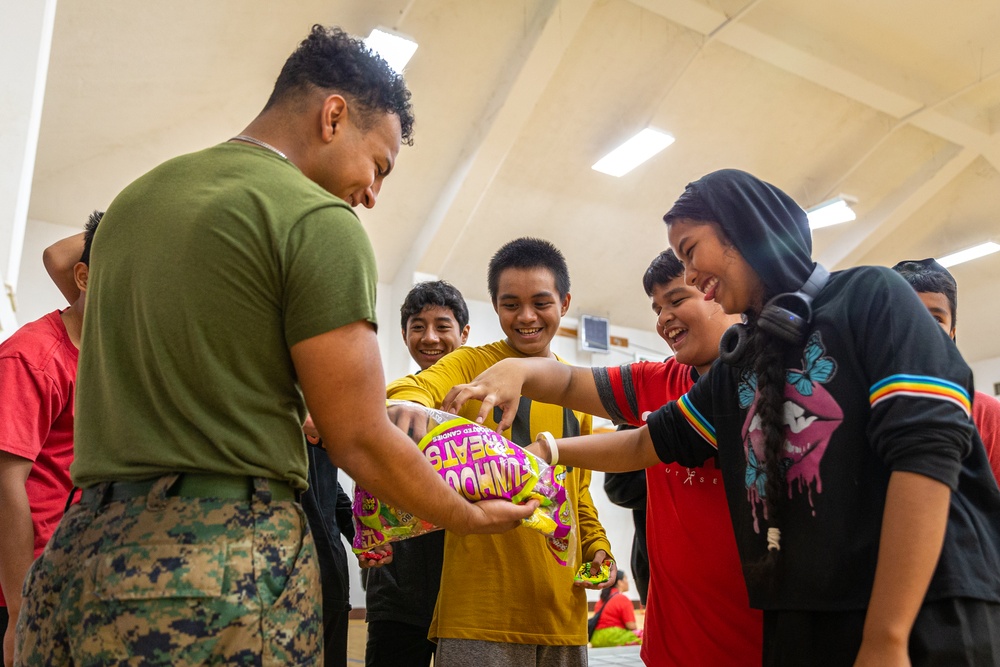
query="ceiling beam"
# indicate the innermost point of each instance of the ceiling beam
(544, 42)
(522, 85)
(709, 22)
(894, 209)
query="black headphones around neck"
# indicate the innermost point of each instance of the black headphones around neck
(786, 317)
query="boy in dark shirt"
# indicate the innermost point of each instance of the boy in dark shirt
(401, 593)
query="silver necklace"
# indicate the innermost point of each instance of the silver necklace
(251, 140)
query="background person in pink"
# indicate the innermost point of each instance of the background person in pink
(37, 384)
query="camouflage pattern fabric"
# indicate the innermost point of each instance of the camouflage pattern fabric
(162, 580)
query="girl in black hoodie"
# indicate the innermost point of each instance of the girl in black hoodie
(865, 513)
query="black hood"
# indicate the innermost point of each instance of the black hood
(769, 229)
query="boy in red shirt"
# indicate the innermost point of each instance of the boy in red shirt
(37, 383)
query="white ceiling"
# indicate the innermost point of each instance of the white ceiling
(894, 102)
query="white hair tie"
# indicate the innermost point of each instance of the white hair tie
(773, 539)
(553, 447)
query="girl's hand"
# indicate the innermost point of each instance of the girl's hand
(874, 653)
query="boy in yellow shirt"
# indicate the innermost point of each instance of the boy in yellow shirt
(503, 599)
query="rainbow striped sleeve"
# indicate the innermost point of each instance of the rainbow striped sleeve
(921, 386)
(697, 421)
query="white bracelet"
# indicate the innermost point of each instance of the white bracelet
(553, 447)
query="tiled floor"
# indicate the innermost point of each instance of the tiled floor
(620, 656)
(623, 656)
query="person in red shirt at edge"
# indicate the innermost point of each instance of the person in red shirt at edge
(37, 383)
(697, 610)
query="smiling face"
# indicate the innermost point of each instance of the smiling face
(530, 308)
(433, 333)
(690, 325)
(715, 267)
(354, 158)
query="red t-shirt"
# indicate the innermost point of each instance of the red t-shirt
(697, 611)
(619, 612)
(37, 382)
(986, 416)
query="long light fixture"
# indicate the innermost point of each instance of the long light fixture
(394, 48)
(832, 212)
(633, 152)
(975, 252)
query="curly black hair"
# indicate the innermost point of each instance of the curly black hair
(434, 293)
(331, 59)
(928, 276)
(664, 268)
(88, 235)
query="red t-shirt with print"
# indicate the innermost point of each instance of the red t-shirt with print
(697, 611)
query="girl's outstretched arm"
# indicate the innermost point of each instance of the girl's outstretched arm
(618, 451)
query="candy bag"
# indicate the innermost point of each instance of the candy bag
(479, 464)
(583, 575)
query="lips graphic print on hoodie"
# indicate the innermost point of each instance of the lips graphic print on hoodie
(811, 415)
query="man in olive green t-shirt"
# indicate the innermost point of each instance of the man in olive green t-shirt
(226, 285)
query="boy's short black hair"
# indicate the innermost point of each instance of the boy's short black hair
(88, 235)
(927, 275)
(332, 60)
(664, 268)
(434, 293)
(528, 253)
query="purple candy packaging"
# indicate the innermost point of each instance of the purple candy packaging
(480, 464)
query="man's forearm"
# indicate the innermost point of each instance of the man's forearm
(390, 466)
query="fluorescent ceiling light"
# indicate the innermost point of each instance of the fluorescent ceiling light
(393, 47)
(832, 212)
(633, 152)
(969, 254)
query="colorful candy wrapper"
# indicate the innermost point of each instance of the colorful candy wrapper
(583, 574)
(481, 465)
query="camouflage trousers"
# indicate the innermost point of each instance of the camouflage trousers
(160, 580)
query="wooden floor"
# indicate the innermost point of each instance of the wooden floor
(357, 635)
(358, 630)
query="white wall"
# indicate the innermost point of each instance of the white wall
(36, 294)
(985, 374)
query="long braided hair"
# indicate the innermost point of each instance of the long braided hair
(768, 364)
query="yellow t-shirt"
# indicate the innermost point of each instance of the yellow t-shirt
(508, 587)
